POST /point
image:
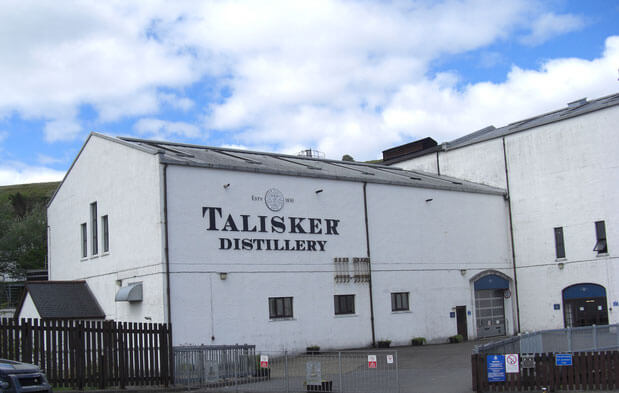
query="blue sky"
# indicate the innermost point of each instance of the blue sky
(343, 77)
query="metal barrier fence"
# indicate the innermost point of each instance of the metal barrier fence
(579, 339)
(241, 369)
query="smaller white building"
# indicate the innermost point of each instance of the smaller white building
(281, 251)
(58, 300)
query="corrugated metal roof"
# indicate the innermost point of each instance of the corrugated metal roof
(281, 164)
(574, 109)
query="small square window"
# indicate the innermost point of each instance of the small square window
(600, 238)
(344, 304)
(280, 307)
(399, 301)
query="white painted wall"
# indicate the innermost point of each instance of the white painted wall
(407, 235)
(422, 247)
(125, 184)
(563, 174)
(28, 309)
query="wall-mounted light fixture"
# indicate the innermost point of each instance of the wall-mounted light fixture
(319, 191)
(463, 271)
(223, 275)
(226, 186)
(560, 265)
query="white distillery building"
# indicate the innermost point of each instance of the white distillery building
(561, 172)
(281, 251)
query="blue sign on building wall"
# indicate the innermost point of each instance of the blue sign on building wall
(496, 368)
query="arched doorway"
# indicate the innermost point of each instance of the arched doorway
(584, 305)
(490, 293)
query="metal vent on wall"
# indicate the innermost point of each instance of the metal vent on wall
(131, 293)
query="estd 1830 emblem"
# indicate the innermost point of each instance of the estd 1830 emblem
(274, 199)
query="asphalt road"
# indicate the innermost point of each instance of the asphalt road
(444, 368)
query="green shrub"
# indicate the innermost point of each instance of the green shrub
(417, 341)
(456, 339)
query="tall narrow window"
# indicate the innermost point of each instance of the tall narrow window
(84, 233)
(106, 233)
(93, 228)
(600, 238)
(559, 244)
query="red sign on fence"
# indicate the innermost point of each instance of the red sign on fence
(371, 361)
(264, 361)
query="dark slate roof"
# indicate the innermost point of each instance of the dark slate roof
(573, 109)
(63, 300)
(281, 164)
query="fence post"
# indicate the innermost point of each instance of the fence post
(397, 371)
(569, 339)
(235, 352)
(595, 338)
(26, 341)
(339, 356)
(286, 371)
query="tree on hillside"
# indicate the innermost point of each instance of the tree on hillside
(347, 157)
(23, 240)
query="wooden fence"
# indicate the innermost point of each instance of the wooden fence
(91, 353)
(589, 371)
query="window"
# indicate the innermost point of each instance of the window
(399, 301)
(84, 233)
(93, 225)
(559, 244)
(280, 307)
(106, 233)
(600, 238)
(344, 304)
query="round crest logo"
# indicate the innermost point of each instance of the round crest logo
(274, 199)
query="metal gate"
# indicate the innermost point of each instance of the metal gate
(241, 369)
(490, 312)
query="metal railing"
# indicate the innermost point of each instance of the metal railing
(578, 339)
(240, 368)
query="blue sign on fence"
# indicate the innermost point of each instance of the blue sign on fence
(496, 368)
(563, 359)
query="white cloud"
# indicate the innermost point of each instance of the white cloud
(162, 129)
(44, 159)
(549, 25)
(339, 76)
(58, 130)
(19, 173)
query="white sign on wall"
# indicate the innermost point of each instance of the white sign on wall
(511, 363)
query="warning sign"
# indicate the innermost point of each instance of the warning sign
(511, 363)
(389, 359)
(264, 361)
(371, 361)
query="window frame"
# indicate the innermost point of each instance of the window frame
(601, 245)
(402, 296)
(344, 304)
(84, 240)
(106, 233)
(559, 243)
(275, 314)
(94, 247)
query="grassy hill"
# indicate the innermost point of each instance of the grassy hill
(36, 191)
